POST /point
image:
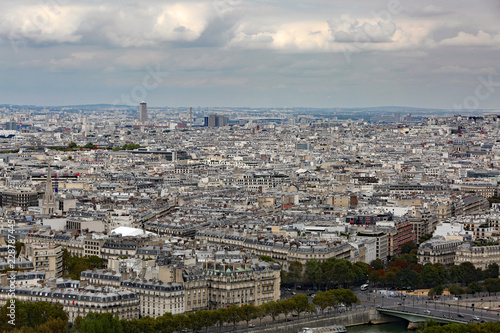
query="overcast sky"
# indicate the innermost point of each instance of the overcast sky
(261, 53)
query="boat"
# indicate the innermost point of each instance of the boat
(326, 329)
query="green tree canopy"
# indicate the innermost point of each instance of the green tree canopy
(33, 315)
(456, 290)
(301, 304)
(295, 272)
(407, 247)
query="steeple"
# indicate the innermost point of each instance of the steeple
(48, 201)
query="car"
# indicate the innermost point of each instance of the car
(427, 311)
(251, 325)
(460, 315)
(476, 318)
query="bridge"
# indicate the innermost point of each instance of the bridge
(415, 318)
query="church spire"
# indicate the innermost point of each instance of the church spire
(48, 201)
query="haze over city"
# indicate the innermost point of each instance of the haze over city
(251, 53)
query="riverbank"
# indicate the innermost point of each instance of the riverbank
(350, 318)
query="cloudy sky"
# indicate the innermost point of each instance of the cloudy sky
(261, 53)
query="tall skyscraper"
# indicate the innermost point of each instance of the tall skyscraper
(143, 112)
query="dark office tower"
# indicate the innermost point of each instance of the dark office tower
(215, 121)
(143, 112)
(191, 115)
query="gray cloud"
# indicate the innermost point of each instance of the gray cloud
(239, 52)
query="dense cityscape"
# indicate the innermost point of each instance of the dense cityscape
(189, 218)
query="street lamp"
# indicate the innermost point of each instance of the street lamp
(449, 310)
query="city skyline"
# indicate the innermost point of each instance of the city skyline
(256, 54)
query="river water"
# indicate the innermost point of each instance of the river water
(396, 327)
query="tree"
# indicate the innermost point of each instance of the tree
(72, 145)
(275, 309)
(286, 306)
(101, 322)
(328, 271)
(295, 273)
(430, 275)
(31, 315)
(474, 288)
(248, 312)
(20, 245)
(90, 145)
(194, 321)
(455, 274)
(74, 266)
(492, 285)
(400, 264)
(407, 247)
(220, 317)
(467, 272)
(377, 264)
(438, 290)
(492, 270)
(408, 277)
(180, 322)
(343, 272)
(314, 272)
(234, 315)
(266, 258)
(456, 290)
(390, 278)
(442, 273)
(53, 326)
(361, 271)
(202, 318)
(425, 238)
(263, 311)
(461, 328)
(322, 300)
(301, 304)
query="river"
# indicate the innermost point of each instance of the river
(396, 327)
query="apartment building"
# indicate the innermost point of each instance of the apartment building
(481, 256)
(438, 250)
(23, 198)
(79, 302)
(46, 257)
(238, 284)
(157, 298)
(381, 245)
